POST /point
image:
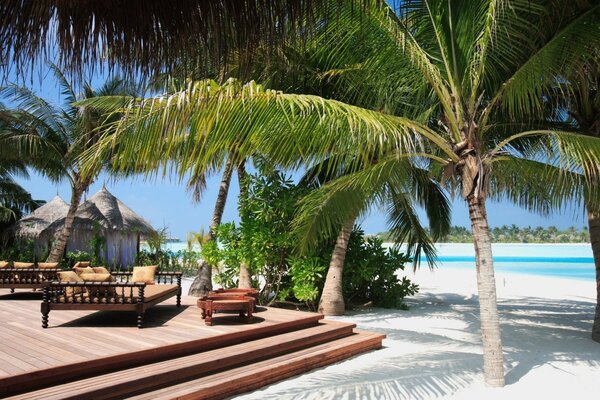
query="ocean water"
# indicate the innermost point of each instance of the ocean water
(573, 261)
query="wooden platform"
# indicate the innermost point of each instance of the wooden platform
(102, 355)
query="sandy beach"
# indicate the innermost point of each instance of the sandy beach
(434, 349)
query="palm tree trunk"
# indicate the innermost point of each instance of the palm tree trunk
(594, 226)
(202, 283)
(332, 299)
(493, 363)
(60, 241)
(245, 278)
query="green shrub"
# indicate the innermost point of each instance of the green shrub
(370, 273)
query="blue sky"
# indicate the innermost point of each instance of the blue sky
(164, 202)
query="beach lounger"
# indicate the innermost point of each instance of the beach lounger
(20, 275)
(113, 293)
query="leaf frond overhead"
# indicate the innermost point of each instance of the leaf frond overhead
(208, 118)
(393, 184)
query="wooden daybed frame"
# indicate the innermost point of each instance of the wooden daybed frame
(26, 278)
(121, 295)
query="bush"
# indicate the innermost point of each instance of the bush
(263, 241)
(184, 261)
(370, 273)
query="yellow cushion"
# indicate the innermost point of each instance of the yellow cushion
(96, 277)
(100, 270)
(70, 276)
(4, 264)
(83, 270)
(81, 264)
(48, 265)
(144, 274)
(23, 265)
(98, 291)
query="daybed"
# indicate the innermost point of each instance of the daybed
(110, 292)
(19, 275)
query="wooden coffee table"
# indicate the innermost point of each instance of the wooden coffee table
(236, 292)
(211, 304)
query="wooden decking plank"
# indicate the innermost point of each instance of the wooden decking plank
(181, 333)
(121, 383)
(247, 378)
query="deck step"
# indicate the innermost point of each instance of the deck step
(257, 375)
(125, 382)
(15, 384)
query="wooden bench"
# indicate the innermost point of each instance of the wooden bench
(121, 295)
(26, 278)
(211, 304)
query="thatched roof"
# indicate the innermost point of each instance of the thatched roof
(102, 208)
(42, 218)
(106, 210)
(143, 35)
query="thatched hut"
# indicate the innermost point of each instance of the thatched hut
(39, 220)
(100, 216)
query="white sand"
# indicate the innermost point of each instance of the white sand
(434, 349)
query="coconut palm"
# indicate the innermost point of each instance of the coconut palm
(53, 138)
(477, 63)
(400, 187)
(579, 98)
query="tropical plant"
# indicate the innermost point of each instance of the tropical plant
(578, 96)
(14, 199)
(53, 138)
(475, 68)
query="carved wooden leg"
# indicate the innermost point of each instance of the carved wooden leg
(45, 312)
(208, 320)
(202, 313)
(179, 299)
(249, 318)
(12, 290)
(45, 307)
(140, 320)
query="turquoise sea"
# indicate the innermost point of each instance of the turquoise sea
(573, 261)
(559, 260)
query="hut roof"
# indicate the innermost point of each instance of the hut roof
(142, 35)
(40, 219)
(106, 210)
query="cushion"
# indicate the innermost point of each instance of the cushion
(156, 291)
(100, 270)
(48, 265)
(81, 264)
(96, 277)
(71, 276)
(99, 291)
(83, 270)
(144, 274)
(23, 265)
(4, 264)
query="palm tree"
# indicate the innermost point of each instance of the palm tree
(54, 138)
(579, 97)
(397, 189)
(472, 65)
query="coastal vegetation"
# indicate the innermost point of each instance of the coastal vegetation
(514, 234)
(263, 242)
(409, 99)
(53, 138)
(459, 121)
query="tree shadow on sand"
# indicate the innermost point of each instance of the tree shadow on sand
(442, 359)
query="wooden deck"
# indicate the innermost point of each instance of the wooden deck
(91, 354)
